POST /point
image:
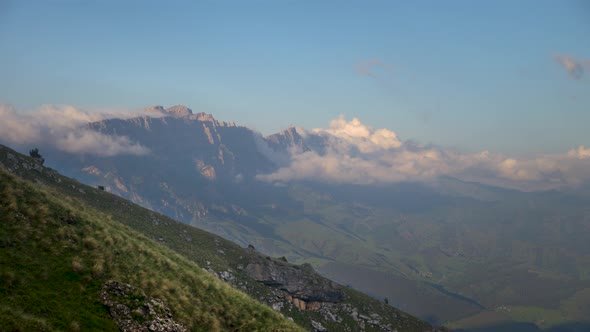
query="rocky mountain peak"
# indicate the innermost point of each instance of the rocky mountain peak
(286, 139)
(202, 116)
(290, 132)
(155, 108)
(179, 111)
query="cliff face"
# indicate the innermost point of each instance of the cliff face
(287, 139)
(190, 141)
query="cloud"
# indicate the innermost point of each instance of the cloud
(580, 153)
(92, 142)
(64, 127)
(371, 67)
(354, 153)
(574, 68)
(15, 128)
(364, 137)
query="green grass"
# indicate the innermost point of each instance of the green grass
(57, 253)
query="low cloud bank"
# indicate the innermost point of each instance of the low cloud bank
(358, 154)
(64, 127)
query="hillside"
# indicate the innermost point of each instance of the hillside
(57, 254)
(67, 240)
(448, 252)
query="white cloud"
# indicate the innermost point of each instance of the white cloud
(92, 142)
(64, 127)
(355, 153)
(580, 153)
(355, 134)
(15, 128)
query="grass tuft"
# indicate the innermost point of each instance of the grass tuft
(77, 265)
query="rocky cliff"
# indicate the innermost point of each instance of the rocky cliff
(299, 281)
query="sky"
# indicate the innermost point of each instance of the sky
(509, 77)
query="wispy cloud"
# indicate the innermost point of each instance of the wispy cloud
(357, 154)
(373, 67)
(574, 68)
(64, 127)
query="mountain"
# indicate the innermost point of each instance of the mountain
(447, 251)
(215, 149)
(286, 140)
(78, 258)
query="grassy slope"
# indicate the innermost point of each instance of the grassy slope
(57, 252)
(203, 248)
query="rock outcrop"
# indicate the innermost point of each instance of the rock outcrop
(179, 111)
(135, 312)
(301, 283)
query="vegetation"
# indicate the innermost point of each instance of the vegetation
(34, 153)
(57, 253)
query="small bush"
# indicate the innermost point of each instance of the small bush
(90, 243)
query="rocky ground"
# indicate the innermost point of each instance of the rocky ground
(135, 312)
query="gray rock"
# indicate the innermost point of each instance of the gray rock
(226, 276)
(300, 282)
(329, 316)
(124, 300)
(277, 306)
(318, 327)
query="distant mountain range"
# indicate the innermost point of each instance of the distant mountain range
(452, 251)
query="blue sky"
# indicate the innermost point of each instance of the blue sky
(470, 75)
